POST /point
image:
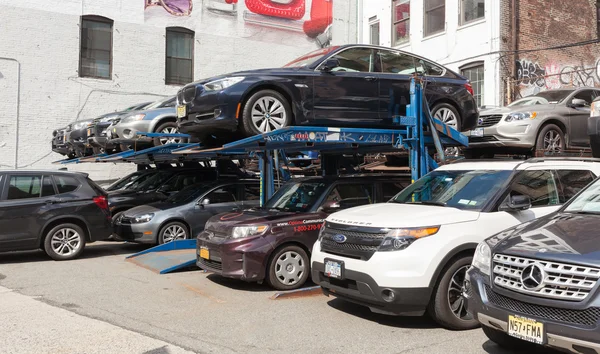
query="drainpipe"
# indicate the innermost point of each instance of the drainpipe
(514, 19)
(18, 105)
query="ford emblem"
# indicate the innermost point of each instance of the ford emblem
(339, 238)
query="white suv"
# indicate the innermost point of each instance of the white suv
(410, 255)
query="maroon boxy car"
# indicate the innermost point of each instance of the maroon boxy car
(274, 242)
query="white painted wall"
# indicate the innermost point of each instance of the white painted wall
(456, 46)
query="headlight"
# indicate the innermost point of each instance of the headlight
(321, 232)
(80, 125)
(482, 258)
(222, 84)
(142, 218)
(595, 109)
(139, 116)
(513, 117)
(399, 239)
(109, 118)
(246, 231)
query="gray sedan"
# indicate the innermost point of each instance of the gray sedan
(552, 121)
(183, 215)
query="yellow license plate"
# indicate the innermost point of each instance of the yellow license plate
(89, 132)
(204, 253)
(180, 111)
(526, 329)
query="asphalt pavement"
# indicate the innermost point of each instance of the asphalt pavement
(103, 304)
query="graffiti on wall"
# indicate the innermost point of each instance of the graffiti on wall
(533, 77)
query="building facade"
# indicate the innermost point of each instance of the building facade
(63, 61)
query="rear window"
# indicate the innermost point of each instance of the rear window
(66, 184)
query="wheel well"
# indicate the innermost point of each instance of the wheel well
(465, 252)
(267, 87)
(187, 226)
(164, 120)
(67, 220)
(551, 121)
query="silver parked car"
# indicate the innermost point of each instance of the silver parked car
(183, 215)
(552, 120)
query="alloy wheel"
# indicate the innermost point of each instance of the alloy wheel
(456, 299)
(289, 268)
(173, 232)
(552, 141)
(268, 114)
(445, 115)
(66, 242)
(170, 140)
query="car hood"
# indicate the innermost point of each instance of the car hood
(149, 112)
(254, 72)
(393, 215)
(503, 110)
(223, 223)
(562, 237)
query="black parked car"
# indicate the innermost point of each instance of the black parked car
(77, 133)
(56, 211)
(350, 85)
(132, 180)
(538, 282)
(59, 143)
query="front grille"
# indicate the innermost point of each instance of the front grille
(189, 93)
(558, 280)
(358, 244)
(180, 97)
(481, 139)
(488, 121)
(588, 317)
(211, 264)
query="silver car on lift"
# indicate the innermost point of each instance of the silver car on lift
(552, 120)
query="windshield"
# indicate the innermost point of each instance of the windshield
(553, 96)
(528, 101)
(123, 182)
(466, 190)
(588, 201)
(165, 102)
(309, 58)
(187, 194)
(297, 197)
(153, 182)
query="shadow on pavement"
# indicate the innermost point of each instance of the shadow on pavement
(241, 285)
(493, 348)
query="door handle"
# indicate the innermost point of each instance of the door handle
(370, 78)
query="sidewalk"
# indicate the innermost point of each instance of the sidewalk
(31, 326)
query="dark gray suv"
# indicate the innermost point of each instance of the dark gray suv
(536, 284)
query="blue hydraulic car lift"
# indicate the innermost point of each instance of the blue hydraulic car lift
(416, 133)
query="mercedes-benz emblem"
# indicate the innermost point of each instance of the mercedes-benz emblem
(339, 238)
(532, 277)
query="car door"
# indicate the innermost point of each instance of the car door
(395, 70)
(578, 117)
(349, 93)
(26, 201)
(215, 201)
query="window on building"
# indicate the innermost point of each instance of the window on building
(434, 20)
(401, 21)
(179, 56)
(95, 54)
(471, 10)
(475, 73)
(374, 30)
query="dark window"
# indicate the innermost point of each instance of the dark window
(396, 62)
(351, 195)
(252, 192)
(355, 60)
(475, 74)
(47, 187)
(391, 189)
(586, 95)
(471, 10)
(539, 185)
(225, 194)
(425, 67)
(23, 187)
(400, 22)
(95, 57)
(181, 181)
(571, 182)
(374, 32)
(179, 56)
(435, 16)
(66, 184)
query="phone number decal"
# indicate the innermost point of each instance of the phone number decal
(305, 228)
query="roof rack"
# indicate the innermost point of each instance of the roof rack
(562, 158)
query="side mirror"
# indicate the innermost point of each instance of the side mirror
(331, 207)
(205, 201)
(516, 202)
(329, 65)
(578, 102)
(164, 189)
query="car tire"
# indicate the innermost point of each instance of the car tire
(447, 307)
(507, 342)
(168, 128)
(444, 112)
(173, 231)
(288, 268)
(550, 131)
(278, 110)
(64, 237)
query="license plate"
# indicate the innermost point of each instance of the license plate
(333, 269)
(204, 253)
(180, 111)
(477, 132)
(526, 329)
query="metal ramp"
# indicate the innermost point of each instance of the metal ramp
(166, 258)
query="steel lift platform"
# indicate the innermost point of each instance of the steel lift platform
(418, 132)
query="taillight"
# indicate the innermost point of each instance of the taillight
(101, 202)
(469, 88)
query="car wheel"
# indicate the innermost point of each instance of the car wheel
(265, 111)
(550, 139)
(448, 304)
(168, 128)
(173, 231)
(64, 242)
(289, 268)
(507, 342)
(446, 113)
